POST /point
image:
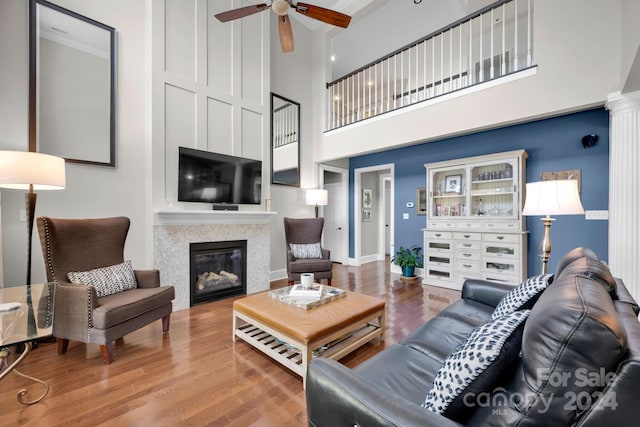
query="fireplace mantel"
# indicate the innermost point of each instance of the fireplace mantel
(199, 217)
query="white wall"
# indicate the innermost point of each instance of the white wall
(91, 191)
(577, 49)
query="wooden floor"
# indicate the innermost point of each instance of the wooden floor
(195, 375)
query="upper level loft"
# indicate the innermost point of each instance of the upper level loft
(491, 43)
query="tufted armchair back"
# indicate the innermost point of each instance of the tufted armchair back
(81, 244)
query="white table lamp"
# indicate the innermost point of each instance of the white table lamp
(316, 197)
(548, 198)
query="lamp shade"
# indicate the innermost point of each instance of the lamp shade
(559, 197)
(317, 197)
(19, 169)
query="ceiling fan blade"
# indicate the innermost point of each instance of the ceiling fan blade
(286, 35)
(325, 15)
(241, 12)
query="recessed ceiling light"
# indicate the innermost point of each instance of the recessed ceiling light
(333, 58)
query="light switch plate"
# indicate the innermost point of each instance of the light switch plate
(597, 215)
(405, 216)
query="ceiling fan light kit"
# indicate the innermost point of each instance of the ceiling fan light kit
(281, 8)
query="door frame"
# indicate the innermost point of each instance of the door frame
(344, 183)
(357, 208)
(381, 222)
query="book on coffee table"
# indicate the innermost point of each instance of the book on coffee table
(300, 291)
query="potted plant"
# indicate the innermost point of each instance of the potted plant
(408, 259)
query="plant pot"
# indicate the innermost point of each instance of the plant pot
(408, 271)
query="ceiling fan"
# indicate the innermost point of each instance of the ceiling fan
(281, 8)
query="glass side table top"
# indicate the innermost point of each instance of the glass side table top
(26, 314)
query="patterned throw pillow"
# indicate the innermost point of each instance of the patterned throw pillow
(475, 366)
(107, 280)
(310, 250)
(522, 296)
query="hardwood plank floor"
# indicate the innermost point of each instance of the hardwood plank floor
(195, 375)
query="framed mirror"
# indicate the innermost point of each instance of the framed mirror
(71, 85)
(285, 141)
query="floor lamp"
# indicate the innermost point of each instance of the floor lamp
(23, 170)
(548, 198)
(317, 197)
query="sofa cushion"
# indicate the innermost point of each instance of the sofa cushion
(476, 366)
(107, 280)
(573, 333)
(305, 250)
(523, 296)
(120, 307)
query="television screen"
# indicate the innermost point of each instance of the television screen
(209, 177)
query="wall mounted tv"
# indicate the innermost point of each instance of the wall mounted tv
(223, 180)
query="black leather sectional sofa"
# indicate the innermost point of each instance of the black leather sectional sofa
(578, 365)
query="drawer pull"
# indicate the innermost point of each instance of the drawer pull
(466, 236)
(467, 255)
(467, 265)
(500, 237)
(466, 245)
(438, 234)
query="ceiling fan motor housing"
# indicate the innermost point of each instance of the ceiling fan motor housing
(280, 7)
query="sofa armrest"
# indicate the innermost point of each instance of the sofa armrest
(623, 295)
(336, 396)
(485, 291)
(73, 305)
(326, 254)
(147, 278)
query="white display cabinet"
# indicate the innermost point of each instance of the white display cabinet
(475, 227)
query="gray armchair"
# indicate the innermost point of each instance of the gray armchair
(306, 231)
(79, 314)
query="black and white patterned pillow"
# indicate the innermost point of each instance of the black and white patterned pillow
(470, 369)
(309, 250)
(107, 280)
(522, 296)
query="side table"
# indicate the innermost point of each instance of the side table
(26, 314)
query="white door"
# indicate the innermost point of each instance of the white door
(387, 216)
(335, 219)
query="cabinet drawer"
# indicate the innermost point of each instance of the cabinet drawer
(438, 260)
(467, 236)
(438, 273)
(467, 246)
(499, 267)
(498, 226)
(501, 250)
(502, 278)
(462, 254)
(461, 276)
(501, 237)
(438, 234)
(467, 265)
(438, 246)
(450, 225)
(469, 226)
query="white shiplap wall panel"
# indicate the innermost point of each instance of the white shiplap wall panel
(251, 136)
(180, 48)
(219, 126)
(180, 131)
(220, 49)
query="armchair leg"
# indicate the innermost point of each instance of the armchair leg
(165, 323)
(63, 344)
(290, 282)
(107, 353)
(329, 281)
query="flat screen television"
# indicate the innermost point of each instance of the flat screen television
(208, 177)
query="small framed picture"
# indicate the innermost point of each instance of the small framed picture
(366, 215)
(421, 201)
(367, 198)
(453, 184)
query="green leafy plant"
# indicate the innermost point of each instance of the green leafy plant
(408, 257)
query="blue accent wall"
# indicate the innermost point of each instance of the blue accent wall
(552, 144)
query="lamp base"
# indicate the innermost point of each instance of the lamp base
(545, 245)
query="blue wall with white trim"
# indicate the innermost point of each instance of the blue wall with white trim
(552, 144)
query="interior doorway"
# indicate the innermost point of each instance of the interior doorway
(336, 213)
(373, 219)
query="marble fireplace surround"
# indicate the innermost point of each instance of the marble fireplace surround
(173, 230)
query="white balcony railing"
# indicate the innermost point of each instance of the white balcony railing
(490, 43)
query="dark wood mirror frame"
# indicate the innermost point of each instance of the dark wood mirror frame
(285, 141)
(104, 150)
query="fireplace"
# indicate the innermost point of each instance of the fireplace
(218, 270)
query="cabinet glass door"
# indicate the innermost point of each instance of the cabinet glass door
(448, 193)
(494, 189)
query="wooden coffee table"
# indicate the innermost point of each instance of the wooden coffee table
(292, 336)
